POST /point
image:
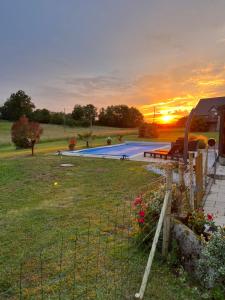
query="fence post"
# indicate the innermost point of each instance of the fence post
(191, 176)
(166, 222)
(181, 187)
(206, 166)
(199, 179)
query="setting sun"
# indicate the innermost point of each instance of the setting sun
(166, 119)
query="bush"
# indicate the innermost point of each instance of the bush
(211, 265)
(199, 124)
(147, 210)
(148, 131)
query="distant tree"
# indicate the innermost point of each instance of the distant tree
(87, 137)
(120, 116)
(41, 115)
(181, 122)
(86, 113)
(199, 124)
(78, 112)
(57, 118)
(90, 113)
(147, 130)
(25, 134)
(17, 105)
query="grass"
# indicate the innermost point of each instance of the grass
(55, 137)
(58, 132)
(35, 213)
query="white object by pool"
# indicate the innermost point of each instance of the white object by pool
(127, 149)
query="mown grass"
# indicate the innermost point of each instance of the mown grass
(58, 132)
(55, 137)
(35, 213)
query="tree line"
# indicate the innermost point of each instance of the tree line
(20, 104)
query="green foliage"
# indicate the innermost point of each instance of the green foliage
(120, 116)
(84, 114)
(147, 210)
(57, 118)
(211, 265)
(199, 124)
(17, 105)
(41, 115)
(147, 130)
(87, 137)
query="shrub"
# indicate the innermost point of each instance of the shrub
(199, 124)
(147, 209)
(211, 265)
(72, 143)
(109, 140)
(148, 131)
(201, 139)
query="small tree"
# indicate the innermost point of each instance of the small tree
(87, 137)
(25, 134)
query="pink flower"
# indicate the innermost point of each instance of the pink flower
(137, 201)
(141, 220)
(141, 213)
(210, 217)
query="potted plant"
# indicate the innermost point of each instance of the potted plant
(109, 140)
(72, 143)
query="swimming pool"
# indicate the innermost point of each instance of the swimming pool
(129, 149)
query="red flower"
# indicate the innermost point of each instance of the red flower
(141, 213)
(141, 220)
(210, 217)
(137, 201)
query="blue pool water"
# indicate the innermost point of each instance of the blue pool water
(129, 149)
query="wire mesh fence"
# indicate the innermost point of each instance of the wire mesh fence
(96, 258)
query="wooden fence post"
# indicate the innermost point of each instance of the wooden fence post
(199, 179)
(206, 167)
(181, 187)
(166, 222)
(191, 176)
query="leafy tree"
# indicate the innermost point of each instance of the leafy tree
(41, 115)
(87, 137)
(78, 113)
(26, 134)
(181, 122)
(86, 113)
(17, 105)
(57, 118)
(199, 124)
(120, 116)
(90, 113)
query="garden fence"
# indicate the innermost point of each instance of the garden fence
(94, 259)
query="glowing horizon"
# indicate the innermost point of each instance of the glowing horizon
(144, 54)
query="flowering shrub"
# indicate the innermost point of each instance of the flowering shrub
(72, 143)
(199, 222)
(211, 265)
(147, 209)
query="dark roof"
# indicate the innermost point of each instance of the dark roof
(204, 105)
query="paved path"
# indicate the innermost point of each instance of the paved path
(215, 201)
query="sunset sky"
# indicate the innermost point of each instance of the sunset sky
(163, 53)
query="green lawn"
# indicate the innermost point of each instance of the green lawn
(58, 132)
(94, 193)
(55, 137)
